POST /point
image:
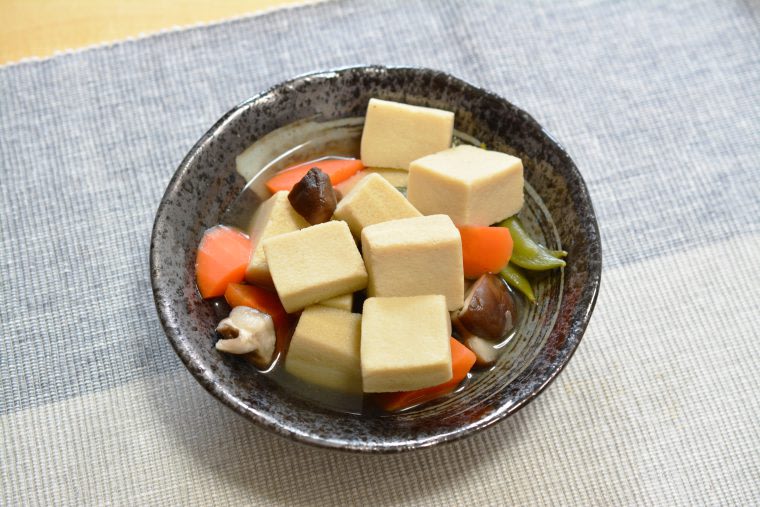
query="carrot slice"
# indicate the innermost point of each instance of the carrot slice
(484, 249)
(462, 360)
(267, 301)
(239, 294)
(222, 258)
(337, 169)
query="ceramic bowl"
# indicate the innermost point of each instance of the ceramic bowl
(558, 211)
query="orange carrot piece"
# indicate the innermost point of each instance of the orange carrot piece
(462, 361)
(267, 301)
(222, 258)
(484, 249)
(337, 169)
(239, 294)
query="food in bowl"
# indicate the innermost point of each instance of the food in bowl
(384, 281)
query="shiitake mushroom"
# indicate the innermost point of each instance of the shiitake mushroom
(314, 197)
(248, 331)
(489, 310)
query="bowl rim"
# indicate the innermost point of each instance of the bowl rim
(188, 358)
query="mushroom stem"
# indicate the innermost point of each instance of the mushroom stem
(248, 331)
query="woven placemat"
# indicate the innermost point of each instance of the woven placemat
(659, 104)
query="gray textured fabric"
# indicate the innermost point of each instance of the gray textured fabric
(659, 104)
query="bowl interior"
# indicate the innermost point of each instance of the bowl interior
(558, 211)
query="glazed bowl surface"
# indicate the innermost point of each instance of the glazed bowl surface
(557, 211)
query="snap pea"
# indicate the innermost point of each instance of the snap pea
(528, 254)
(515, 278)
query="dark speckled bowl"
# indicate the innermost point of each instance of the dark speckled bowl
(558, 210)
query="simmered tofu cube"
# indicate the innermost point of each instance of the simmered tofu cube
(314, 264)
(415, 256)
(324, 349)
(372, 201)
(275, 216)
(396, 177)
(471, 185)
(405, 343)
(344, 302)
(395, 134)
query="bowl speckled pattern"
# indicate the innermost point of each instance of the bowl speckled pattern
(558, 211)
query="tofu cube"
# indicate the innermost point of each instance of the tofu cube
(274, 216)
(314, 264)
(414, 257)
(395, 134)
(373, 200)
(396, 177)
(344, 302)
(405, 343)
(471, 185)
(325, 348)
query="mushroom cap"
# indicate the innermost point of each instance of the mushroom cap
(489, 309)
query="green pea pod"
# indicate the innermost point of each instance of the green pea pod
(515, 278)
(559, 254)
(526, 253)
